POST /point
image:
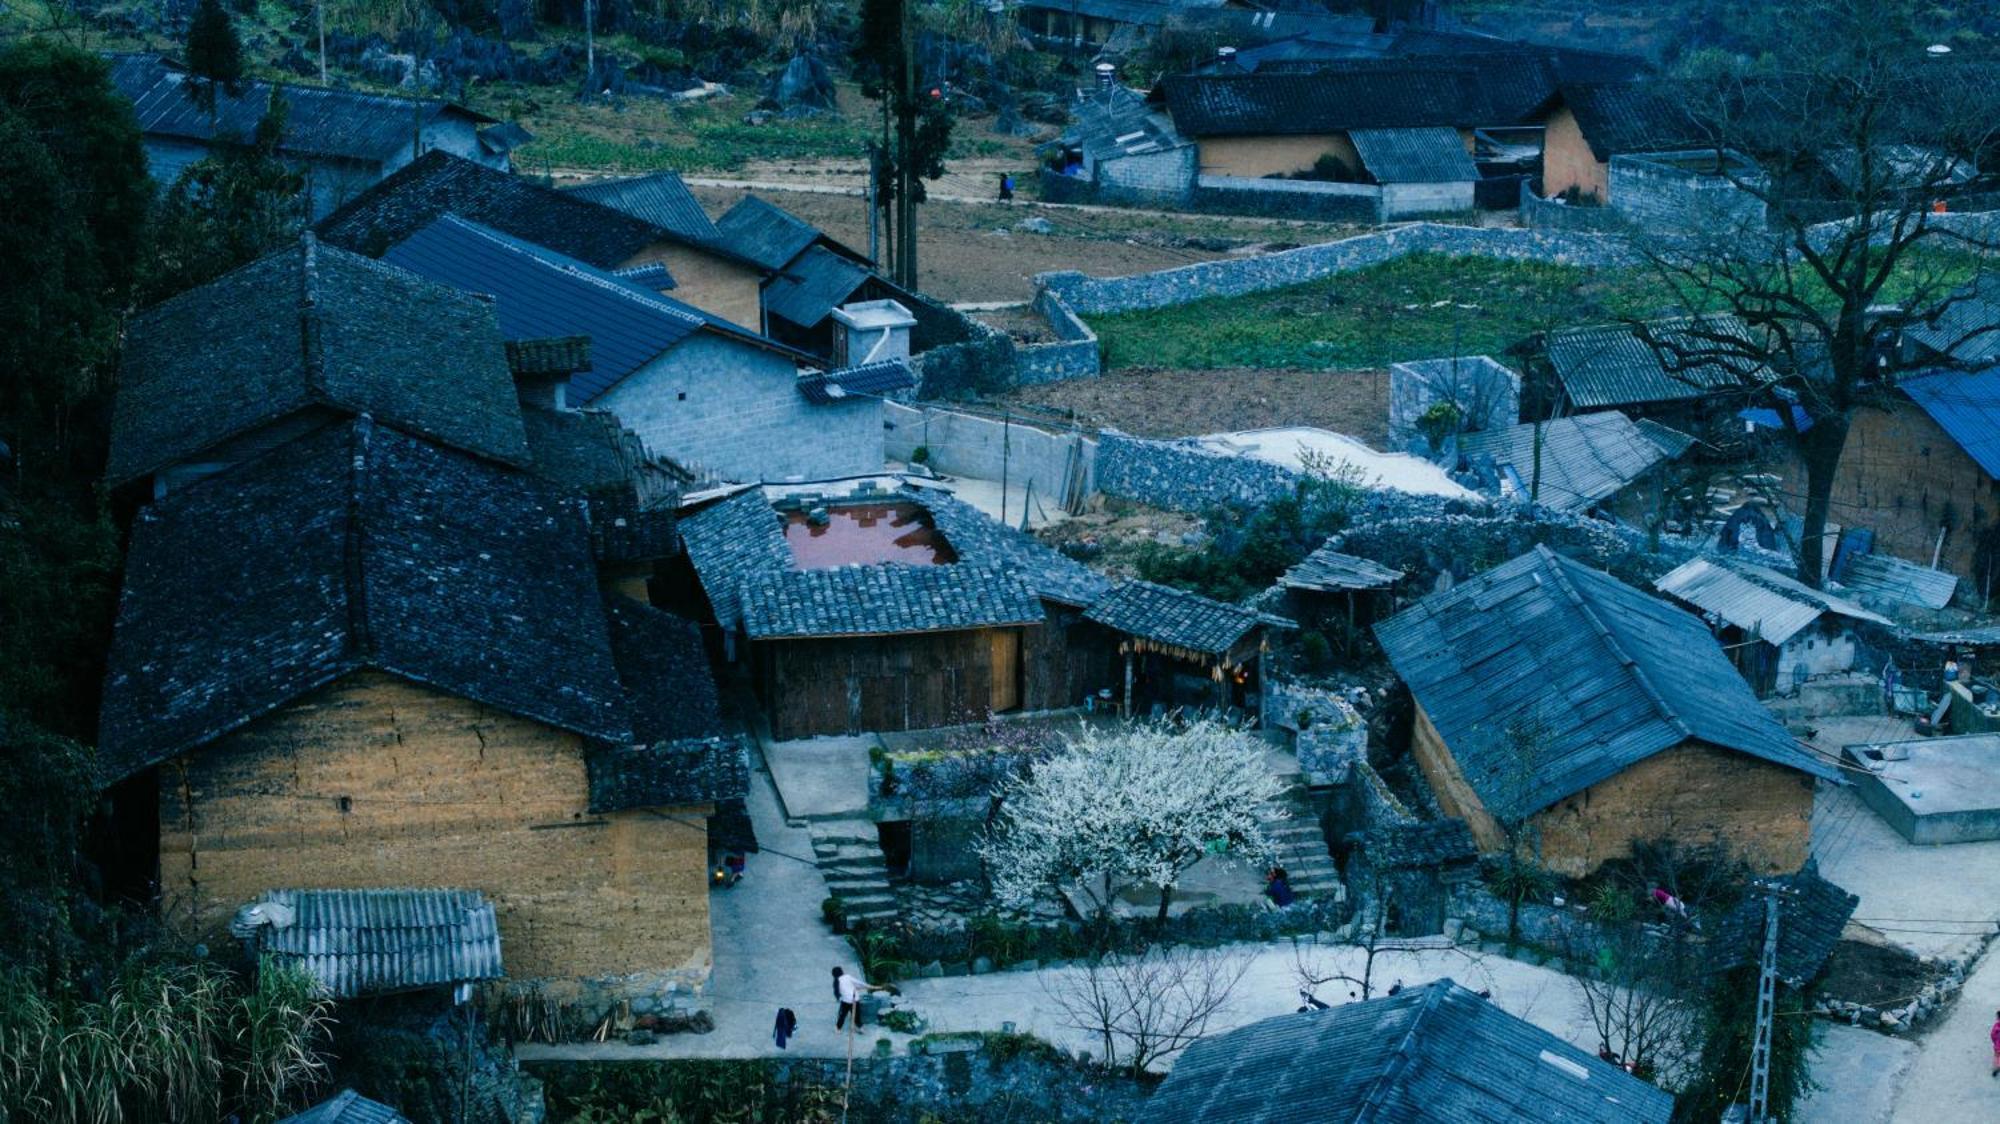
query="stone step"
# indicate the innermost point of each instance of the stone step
(861, 901)
(858, 888)
(848, 853)
(872, 872)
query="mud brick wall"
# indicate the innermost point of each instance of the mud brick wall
(1906, 479)
(377, 782)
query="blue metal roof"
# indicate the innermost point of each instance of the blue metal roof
(1966, 405)
(539, 293)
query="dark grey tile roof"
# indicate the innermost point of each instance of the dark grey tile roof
(319, 122)
(1120, 123)
(504, 137)
(1615, 365)
(730, 540)
(979, 537)
(589, 453)
(1584, 458)
(764, 233)
(1968, 328)
(1332, 100)
(669, 690)
(548, 356)
(1330, 571)
(1436, 1054)
(1427, 155)
(884, 376)
(372, 942)
(1811, 914)
(348, 1107)
(311, 327)
(667, 774)
(1415, 846)
(1609, 674)
(661, 199)
(884, 599)
(355, 547)
(1631, 117)
(1175, 617)
(437, 184)
(812, 285)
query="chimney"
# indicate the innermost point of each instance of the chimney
(1225, 58)
(1107, 79)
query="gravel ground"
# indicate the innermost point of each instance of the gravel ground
(1152, 402)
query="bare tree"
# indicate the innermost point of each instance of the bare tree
(1641, 990)
(1844, 141)
(1144, 1007)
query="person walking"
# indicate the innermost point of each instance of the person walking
(1994, 1034)
(847, 992)
(1006, 187)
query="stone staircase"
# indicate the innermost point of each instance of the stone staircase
(849, 854)
(1301, 848)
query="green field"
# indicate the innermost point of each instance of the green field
(1419, 306)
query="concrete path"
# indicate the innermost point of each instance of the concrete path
(1860, 1074)
(1949, 1077)
(821, 778)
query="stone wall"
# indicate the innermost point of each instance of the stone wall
(1669, 191)
(964, 444)
(1075, 357)
(1183, 476)
(1327, 733)
(377, 782)
(1100, 296)
(1538, 213)
(1291, 199)
(1487, 394)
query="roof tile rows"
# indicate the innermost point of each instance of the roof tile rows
(348, 1107)
(810, 286)
(768, 235)
(1571, 463)
(1429, 1055)
(662, 199)
(884, 376)
(1544, 677)
(372, 942)
(1332, 100)
(884, 599)
(1811, 914)
(1175, 617)
(1672, 360)
(1433, 154)
(1329, 571)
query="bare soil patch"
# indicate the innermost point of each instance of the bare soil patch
(1114, 533)
(1876, 975)
(1154, 402)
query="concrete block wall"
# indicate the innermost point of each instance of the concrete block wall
(1486, 392)
(1183, 476)
(1409, 200)
(963, 444)
(1099, 296)
(1166, 176)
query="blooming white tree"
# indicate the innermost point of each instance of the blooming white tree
(1134, 806)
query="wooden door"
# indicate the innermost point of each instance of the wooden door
(1006, 668)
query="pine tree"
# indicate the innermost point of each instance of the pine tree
(213, 51)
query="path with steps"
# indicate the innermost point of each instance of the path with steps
(1301, 847)
(849, 853)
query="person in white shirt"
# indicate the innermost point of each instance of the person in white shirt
(847, 992)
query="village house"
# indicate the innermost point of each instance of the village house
(695, 269)
(1588, 124)
(871, 605)
(1339, 592)
(1574, 464)
(719, 400)
(1124, 148)
(343, 141)
(362, 660)
(1435, 1054)
(1779, 632)
(1114, 26)
(1665, 369)
(1555, 697)
(1183, 650)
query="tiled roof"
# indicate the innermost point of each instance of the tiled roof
(981, 538)
(1811, 914)
(311, 327)
(885, 376)
(666, 774)
(355, 547)
(1324, 101)
(1427, 155)
(437, 184)
(1670, 441)
(1584, 458)
(1330, 571)
(669, 689)
(728, 542)
(1631, 117)
(1968, 327)
(540, 358)
(661, 199)
(1887, 576)
(1754, 598)
(348, 1107)
(1615, 365)
(1435, 1054)
(589, 453)
(373, 942)
(319, 122)
(1175, 617)
(812, 285)
(881, 599)
(1417, 846)
(1119, 123)
(1606, 674)
(539, 293)
(1966, 405)
(766, 234)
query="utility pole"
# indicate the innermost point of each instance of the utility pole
(906, 147)
(590, 45)
(1767, 1003)
(874, 235)
(319, 10)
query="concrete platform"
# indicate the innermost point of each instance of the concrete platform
(822, 779)
(1932, 790)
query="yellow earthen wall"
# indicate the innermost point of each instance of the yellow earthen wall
(728, 289)
(441, 792)
(1568, 162)
(1906, 479)
(1255, 157)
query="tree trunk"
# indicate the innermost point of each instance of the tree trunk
(1819, 448)
(1160, 918)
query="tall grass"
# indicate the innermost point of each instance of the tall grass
(167, 1042)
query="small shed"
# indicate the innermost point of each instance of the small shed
(1572, 464)
(1662, 366)
(376, 942)
(1422, 171)
(1339, 591)
(1778, 631)
(1183, 649)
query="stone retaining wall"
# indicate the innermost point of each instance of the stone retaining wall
(1100, 296)
(1290, 199)
(1076, 357)
(1183, 476)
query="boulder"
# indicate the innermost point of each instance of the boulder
(804, 83)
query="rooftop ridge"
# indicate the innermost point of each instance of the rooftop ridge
(582, 274)
(312, 358)
(1405, 1054)
(1553, 563)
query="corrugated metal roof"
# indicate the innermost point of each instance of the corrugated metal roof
(1609, 674)
(1585, 458)
(1968, 328)
(1756, 599)
(1612, 365)
(1966, 405)
(1429, 1055)
(661, 198)
(1433, 155)
(370, 942)
(348, 1107)
(1670, 440)
(1330, 571)
(1898, 580)
(812, 285)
